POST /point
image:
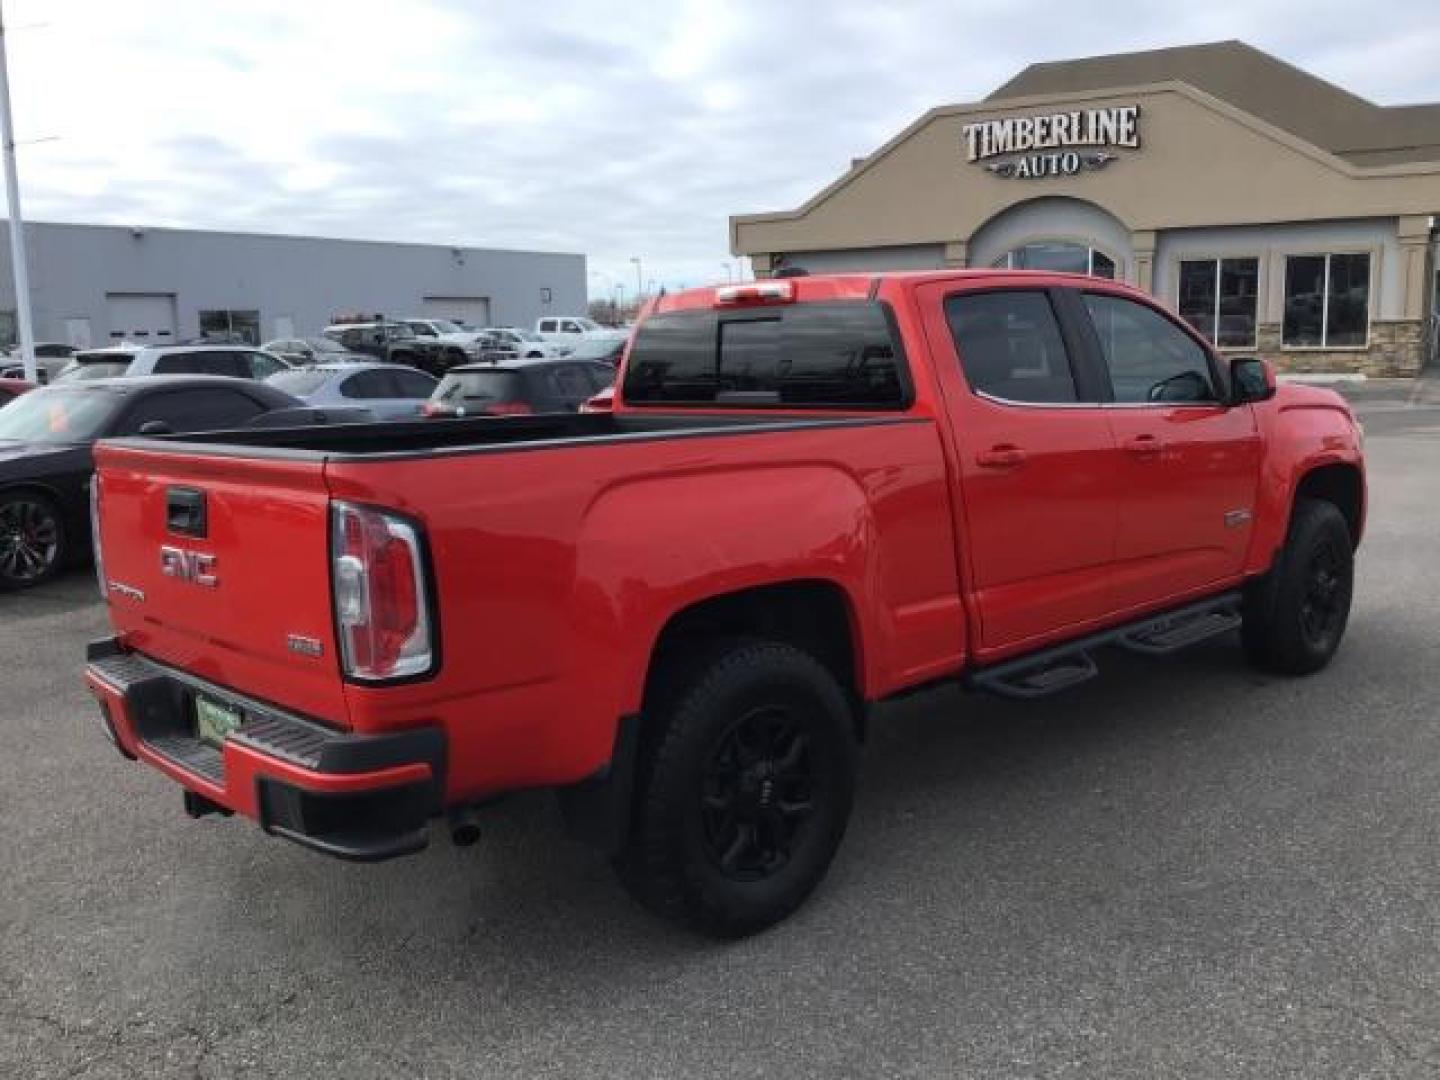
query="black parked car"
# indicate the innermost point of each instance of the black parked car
(45, 453)
(518, 387)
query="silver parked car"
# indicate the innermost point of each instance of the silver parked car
(312, 350)
(390, 391)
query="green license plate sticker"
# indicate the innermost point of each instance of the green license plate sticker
(214, 721)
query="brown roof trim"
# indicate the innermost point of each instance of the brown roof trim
(1258, 83)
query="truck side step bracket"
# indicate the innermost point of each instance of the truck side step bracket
(1039, 679)
(1062, 666)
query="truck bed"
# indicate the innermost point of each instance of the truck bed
(483, 434)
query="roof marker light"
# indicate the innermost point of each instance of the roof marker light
(759, 292)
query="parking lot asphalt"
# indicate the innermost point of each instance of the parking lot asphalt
(1182, 868)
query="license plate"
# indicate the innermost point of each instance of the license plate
(214, 721)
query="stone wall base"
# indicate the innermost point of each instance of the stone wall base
(1397, 349)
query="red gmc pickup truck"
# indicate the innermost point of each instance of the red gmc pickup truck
(813, 494)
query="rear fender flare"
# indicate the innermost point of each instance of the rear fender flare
(801, 523)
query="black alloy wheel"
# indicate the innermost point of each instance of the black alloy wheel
(1323, 607)
(745, 779)
(1295, 616)
(759, 791)
(31, 540)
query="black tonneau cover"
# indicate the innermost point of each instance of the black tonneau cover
(484, 434)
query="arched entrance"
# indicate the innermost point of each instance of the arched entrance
(1055, 233)
(1062, 256)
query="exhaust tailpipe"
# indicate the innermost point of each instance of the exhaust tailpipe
(464, 826)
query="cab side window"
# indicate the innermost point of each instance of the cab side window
(1149, 358)
(1011, 347)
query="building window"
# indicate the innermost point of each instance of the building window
(1327, 301)
(1058, 256)
(1220, 298)
(231, 327)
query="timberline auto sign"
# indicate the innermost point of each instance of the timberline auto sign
(1054, 144)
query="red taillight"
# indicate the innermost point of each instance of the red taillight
(759, 292)
(509, 408)
(380, 604)
(432, 408)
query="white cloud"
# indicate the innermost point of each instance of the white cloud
(609, 129)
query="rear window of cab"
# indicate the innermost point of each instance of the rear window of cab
(843, 355)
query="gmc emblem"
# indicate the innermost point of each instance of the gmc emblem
(192, 566)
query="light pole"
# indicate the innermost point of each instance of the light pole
(639, 278)
(619, 301)
(729, 269)
(17, 221)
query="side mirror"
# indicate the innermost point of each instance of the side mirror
(156, 427)
(1251, 379)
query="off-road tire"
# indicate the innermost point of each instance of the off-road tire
(723, 724)
(1295, 616)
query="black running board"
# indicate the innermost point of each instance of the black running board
(1062, 666)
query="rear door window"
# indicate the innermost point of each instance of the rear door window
(207, 409)
(203, 363)
(1011, 347)
(413, 384)
(837, 355)
(371, 385)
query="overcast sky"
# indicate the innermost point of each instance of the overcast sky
(603, 128)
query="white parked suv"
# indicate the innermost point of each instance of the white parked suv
(443, 330)
(238, 361)
(573, 329)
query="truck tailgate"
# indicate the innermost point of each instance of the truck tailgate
(220, 566)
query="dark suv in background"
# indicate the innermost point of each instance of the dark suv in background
(396, 343)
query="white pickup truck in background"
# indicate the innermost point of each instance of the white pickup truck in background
(572, 329)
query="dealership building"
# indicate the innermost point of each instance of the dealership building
(91, 285)
(1279, 214)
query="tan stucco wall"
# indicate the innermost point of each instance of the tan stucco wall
(1201, 163)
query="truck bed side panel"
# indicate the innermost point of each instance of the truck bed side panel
(557, 569)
